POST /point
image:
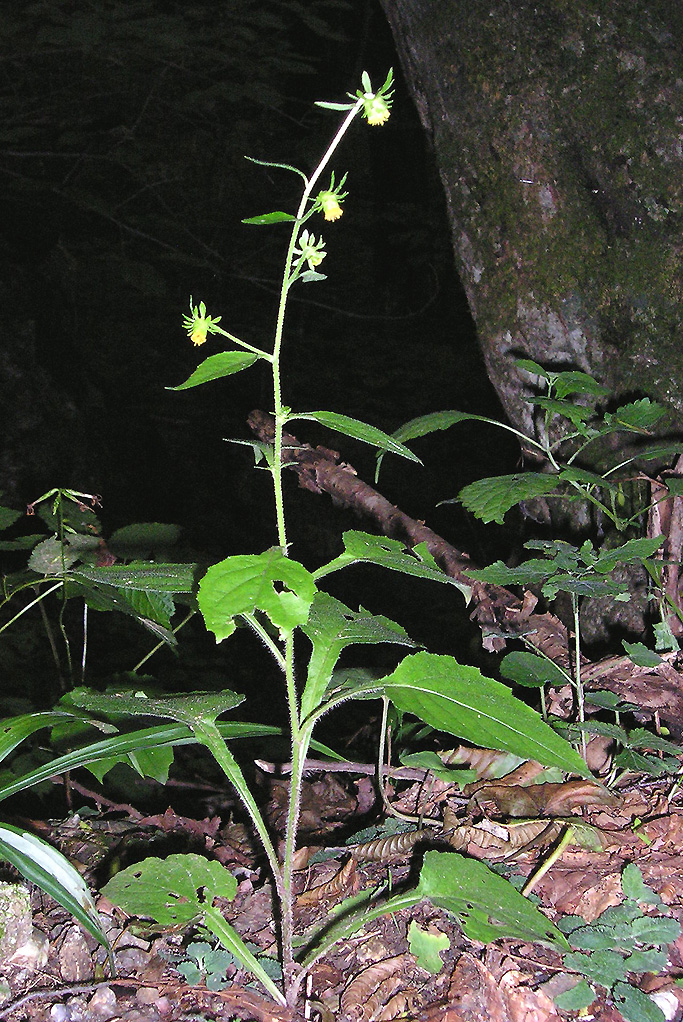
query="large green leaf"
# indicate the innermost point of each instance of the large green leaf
(332, 626)
(245, 583)
(363, 547)
(177, 890)
(187, 709)
(43, 865)
(489, 499)
(532, 670)
(487, 905)
(359, 431)
(225, 363)
(459, 699)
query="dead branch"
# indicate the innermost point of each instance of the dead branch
(499, 613)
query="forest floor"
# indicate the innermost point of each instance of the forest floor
(386, 971)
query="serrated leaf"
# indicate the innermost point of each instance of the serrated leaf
(489, 499)
(278, 217)
(594, 937)
(359, 431)
(225, 363)
(633, 550)
(187, 709)
(244, 584)
(331, 627)
(577, 414)
(604, 966)
(640, 738)
(576, 382)
(639, 415)
(531, 572)
(531, 670)
(647, 961)
(635, 1006)
(655, 930)
(51, 557)
(460, 700)
(640, 655)
(363, 547)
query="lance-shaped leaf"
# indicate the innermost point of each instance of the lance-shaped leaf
(332, 626)
(245, 584)
(487, 906)
(14, 730)
(187, 709)
(43, 865)
(459, 699)
(225, 363)
(144, 576)
(277, 217)
(363, 547)
(359, 431)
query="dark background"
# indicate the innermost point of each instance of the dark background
(123, 134)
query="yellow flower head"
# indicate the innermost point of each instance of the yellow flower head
(198, 324)
(329, 203)
(376, 108)
(310, 250)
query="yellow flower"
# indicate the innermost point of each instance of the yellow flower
(310, 251)
(198, 325)
(376, 108)
(329, 203)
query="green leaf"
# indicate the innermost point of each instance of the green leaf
(528, 573)
(640, 738)
(278, 217)
(186, 709)
(52, 557)
(461, 701)
(175, 891)
(531, 670)
(332, 626)
(489, 499)
(363, 547)
(647, 961)
(638, 416)
(171, 891)
(655, 930)
(594, 937)
(640, 655)
(43, 865)
(577, 414)
(604, 967)
(635, 1006)
(576, 382)
(487, 905)
(425, 424)
(359, 431)
(245, 583)
(578, 997)
(225, 363)
(633, 550)
(310, 276)
(142, 576)
(154, 763)
(122, 745)
(8, 516)
(13, 730)
(426, 945)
